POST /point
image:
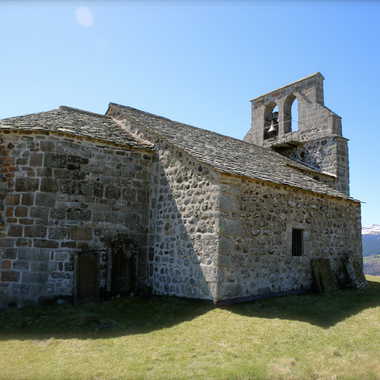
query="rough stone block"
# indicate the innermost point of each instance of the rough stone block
(57, 233)
(98, 190)
(34, 278)
(20, 265)
(78, 214)
(45, 199)
(49, 185)
(7, 243)
(6, 264)
(27, 199)
(68, 244)
(112, 192)
(12, 199)
(58, 213)
(25, 221)
(9, 253)
(55, 160)
(21, 242)
(35, 231)
(39, 266)
(10, 276)
(15, 230)
(80, 233)
(40, 213)
(44, 172)
(20, 290)
(61, 256)
(47, 146)
(42, 243)
(26, 184)
(60, 276)
(36, 159)
(21, 212)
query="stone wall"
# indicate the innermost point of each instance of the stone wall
(184, 220)
(327, 154)
(59, 196)
(184, 226)
(257, 219)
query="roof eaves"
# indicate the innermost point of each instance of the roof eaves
(71, 134)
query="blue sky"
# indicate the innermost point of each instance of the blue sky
(198, 62)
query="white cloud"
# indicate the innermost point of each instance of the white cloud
(84, 17)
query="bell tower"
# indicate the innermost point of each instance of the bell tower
(294, 121)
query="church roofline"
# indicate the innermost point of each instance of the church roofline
(64, 121)
(317, 74)
(85, 112)
(228, 162)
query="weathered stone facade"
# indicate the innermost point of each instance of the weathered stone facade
(62, 196)
(255, 253)
(184, 226)
(93, 205)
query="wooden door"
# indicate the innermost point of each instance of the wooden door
(122, 273)
(87, 277)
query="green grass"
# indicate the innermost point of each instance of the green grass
(334, 336)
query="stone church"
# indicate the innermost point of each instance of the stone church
(96, 205)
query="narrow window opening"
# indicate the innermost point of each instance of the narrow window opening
(294, 117)
(297, 242)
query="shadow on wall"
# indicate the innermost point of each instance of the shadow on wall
(184, 242)
(135, 315)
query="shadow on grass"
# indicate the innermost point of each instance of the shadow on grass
(119, 317)
(136, 315)
(323, 310)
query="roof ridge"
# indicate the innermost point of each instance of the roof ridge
(263, 149)
(190, 126)
(29, 114)
(141, 111)
(73, 109)
(172, 130)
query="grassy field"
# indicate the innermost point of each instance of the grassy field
(335, 336)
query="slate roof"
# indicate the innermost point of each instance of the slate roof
(226, 154)
(77, 122)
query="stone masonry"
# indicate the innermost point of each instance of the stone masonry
(314, 139)
(184, 226)
(64, 196)
(255, 253)
(174, 209)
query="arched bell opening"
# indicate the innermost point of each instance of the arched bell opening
(271, 121)
(291, 110)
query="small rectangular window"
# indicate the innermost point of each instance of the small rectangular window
(297, 242)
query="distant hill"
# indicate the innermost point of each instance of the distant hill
(372, 265)
(371, 249)
(371, 240)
